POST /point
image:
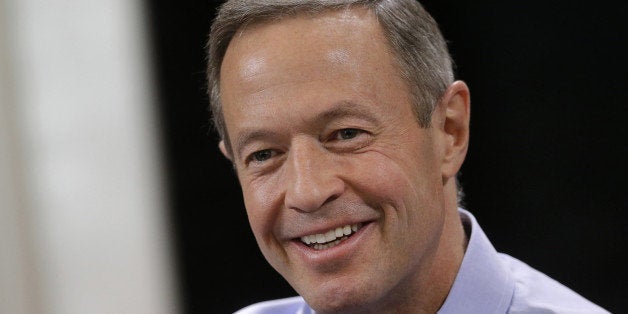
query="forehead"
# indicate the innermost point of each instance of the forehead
(299, 66)
(310, 43)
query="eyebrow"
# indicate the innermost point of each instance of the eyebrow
(338, 110)
(346, 108)
(247, 136)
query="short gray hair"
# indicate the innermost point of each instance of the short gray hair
(421, 52)
(417, 43)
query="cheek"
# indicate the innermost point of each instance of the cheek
(407, 188)
(408, 197)
(262, 202)
(394, 177)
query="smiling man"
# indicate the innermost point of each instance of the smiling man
(347, 129)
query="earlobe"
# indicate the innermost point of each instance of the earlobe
(223, 149)
(457, 113)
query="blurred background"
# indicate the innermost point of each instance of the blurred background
(84, 216)
(115, 199)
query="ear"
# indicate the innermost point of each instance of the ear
(455, 112)
(223, 149)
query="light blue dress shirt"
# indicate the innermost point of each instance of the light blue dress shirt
(487, 282)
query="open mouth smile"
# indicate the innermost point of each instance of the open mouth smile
(331, 238)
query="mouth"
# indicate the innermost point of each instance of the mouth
(331, 238)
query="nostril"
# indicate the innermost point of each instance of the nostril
(309, 198)
(311, 177)
(331, 198)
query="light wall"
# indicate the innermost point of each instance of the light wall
(82, 195)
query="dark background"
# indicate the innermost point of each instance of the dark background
(545, 171)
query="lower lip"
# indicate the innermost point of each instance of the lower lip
(342, 250)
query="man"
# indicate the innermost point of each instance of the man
(347, 129)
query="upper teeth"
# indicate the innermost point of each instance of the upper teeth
(330, 235)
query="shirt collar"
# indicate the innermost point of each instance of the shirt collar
(483, 284)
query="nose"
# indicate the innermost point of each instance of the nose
(311, 177)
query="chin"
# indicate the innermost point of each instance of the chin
(342, 298)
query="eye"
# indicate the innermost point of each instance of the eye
(262, 161)
(348, 140)
(347, 134)
(261, 155)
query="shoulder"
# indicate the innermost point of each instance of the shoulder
(292, 305)
(535, 292)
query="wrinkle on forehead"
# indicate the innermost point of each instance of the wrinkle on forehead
(338, 55)
(252, 66)
(289, 57)
(331, 30)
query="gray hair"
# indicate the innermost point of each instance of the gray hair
(421, 52)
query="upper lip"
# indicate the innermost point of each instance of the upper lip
(327, 228)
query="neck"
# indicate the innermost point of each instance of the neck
(428, 294)
(448, 257)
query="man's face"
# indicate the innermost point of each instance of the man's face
(328, 151)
